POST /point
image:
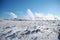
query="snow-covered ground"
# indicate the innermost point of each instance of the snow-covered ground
(29, 30)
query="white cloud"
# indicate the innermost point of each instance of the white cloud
(39, 14)
(13, 15)
(50, 17)
(42, 16)
(30, 14)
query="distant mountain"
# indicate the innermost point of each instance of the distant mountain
(28, 19)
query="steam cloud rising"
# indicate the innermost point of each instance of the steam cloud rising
(37, 16)
(13, 15)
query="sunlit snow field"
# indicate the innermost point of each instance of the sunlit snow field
(29, 30)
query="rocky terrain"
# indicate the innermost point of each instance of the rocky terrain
(29, 30)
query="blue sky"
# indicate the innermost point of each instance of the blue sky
(19, 7)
